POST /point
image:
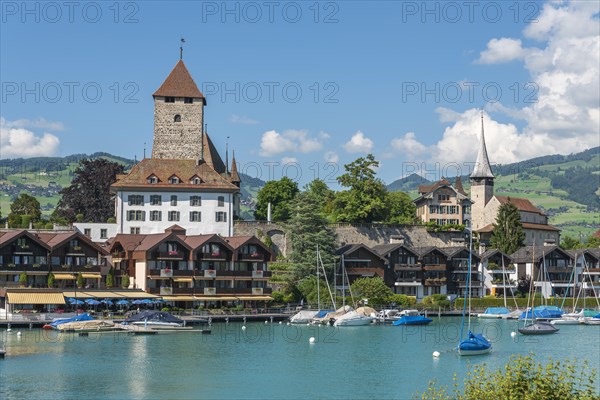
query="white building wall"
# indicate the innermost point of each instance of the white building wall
(139, 281)
(98, 232)
(208, 209)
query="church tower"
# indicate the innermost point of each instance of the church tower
(178, 117)
(482, 184)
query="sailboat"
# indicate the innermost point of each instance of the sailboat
(536, 327)
(352, 317)
(475, 343)
(498, 312)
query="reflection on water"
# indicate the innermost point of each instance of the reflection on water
(265, 360)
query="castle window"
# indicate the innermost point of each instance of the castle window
(174, 179)
(103, 234)
(196, 180)
(152, 179)
(177, 118)
(169, 99)
(173, 200)
(221, 216)
(195, 216)
(221, 201)
(133, 215)
(155, 216)
(135, 200)
(188, 100)
(155, 200)
(134, 231)
(173, 215)
(195, 201)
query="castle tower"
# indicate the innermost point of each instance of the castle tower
(178, 117)
(482, 184)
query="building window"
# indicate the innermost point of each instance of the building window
(173, 200)
(169, 99)
(135, 200)
(173, 215)
(134, 231)
(87, 232)
(433, 209)
(188, 100)
(155, 200)
(196, 180)
(103, 234)
(155, 215)
(221, 216)
(174, 179)
(195, 216)
(443, 197)
(177, 118)
(136, 215)
(152, 179)
(221, 201)
(195, 201)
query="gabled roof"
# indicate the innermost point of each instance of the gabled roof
(489, 253)
(385, 249)
(427, 191)
(351, 248)
(11, 236)
(424, 250)
(530, 253)
(163, 168)
(197, 241)
(237, 242)
(526, 225)
(520, 203)
(54, 240)
(179, 83)
(211, 155)
(423, 189)
(234, 176)
(482, 167)
(452, 251)
(151, 241)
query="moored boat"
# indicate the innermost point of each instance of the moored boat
(86, 326)
(411, 317)
(494, 312)
(538, 328)
(155, 320)
(353, 318)
(475, 344)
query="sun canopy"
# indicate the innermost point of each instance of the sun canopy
(35, 298)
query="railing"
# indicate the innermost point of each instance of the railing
(413, 267)
(213, 256)
(169, 255)
(251, 257)
(435, 267)
(25, 268)
(435, 282)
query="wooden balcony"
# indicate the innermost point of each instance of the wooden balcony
(168, 255)
(254, 257)
(407, 267)
(435, 282)
(214, 256)
(435, 267)
(17, 269)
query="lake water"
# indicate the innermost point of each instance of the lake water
(266, 361)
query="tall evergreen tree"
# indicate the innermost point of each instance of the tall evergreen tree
(508, 235)
(307, 229)
(89, 192)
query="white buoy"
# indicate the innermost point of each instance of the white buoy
(311, 340)
(244, 327)
(288, 324)
(266, 322)
(436, 354)
(513, 334)
(19, 333)
(8, 330)
(280, 322)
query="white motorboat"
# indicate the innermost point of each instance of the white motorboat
(304, 316)
(352, 318)
(567, 321)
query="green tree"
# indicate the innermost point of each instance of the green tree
(125, 281)
(570, 243)
(23, 279)
(279, 193)
(27, 207)
(373, 289)
(314, 294)
(365, 199)
(89, 192)
(401, 209)
(523, 378)
(593, 241)
(307, 230)
(51, 280)
(321, 192)
(508, 235)
(80, 281)
(110, 278)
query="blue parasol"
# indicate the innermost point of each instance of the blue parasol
(107, 302)
(123, 303)
(92, 302)
(77, 302)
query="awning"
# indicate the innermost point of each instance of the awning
(216, 298)
(179, 298)
(91, 276)
(35, 298)
(190, 279)
(78, 294)
(103, 294)
(259, 298)
(64, 276)
(134, 294)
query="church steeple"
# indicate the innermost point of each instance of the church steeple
(482, 167)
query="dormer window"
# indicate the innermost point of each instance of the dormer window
(174, 179)
(196, 180)
(177, 118)
(152, 179)
(169, 99)
(188, 100)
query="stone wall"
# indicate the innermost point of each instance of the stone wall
(367, 234)
(178, 140)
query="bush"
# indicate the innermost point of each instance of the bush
(402, 300)
(523, 378)
(436, 301)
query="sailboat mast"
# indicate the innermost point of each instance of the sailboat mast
(318, 283)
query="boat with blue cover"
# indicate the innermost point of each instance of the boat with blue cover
(411, 317)
(543, 313)
(474, 344)
(494, 312)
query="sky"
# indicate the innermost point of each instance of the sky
(299, 89)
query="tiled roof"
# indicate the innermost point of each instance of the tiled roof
(384, 249)
(211, 155)
(526, 225)
(430, 188)
(164, 168)
(520, 203)
(528, 253)
(10, 236)
(351, 248)
(234, 176)
(198, 240)
(492, 252)
(57, 239)
(482, 167)
(179, 83)
(459, 186)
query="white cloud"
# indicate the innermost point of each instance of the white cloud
(295, 141)
(409, 147)
(40, 123)
(501, 51)
(242, 120)
(20, 142)
(289, 160)
(331, 157)
(359, 143)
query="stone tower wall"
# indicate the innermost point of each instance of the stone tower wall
(481, 193)
(178, 140)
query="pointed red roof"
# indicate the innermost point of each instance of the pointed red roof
(179, 83)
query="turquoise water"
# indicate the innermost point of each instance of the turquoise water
(266, 361)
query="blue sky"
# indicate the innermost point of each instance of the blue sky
(402, 80)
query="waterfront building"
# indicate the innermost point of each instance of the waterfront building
(37, 254)
(444, 203)
(485, 204)
(499, 273)
(359, 261)
(189, 268)
(403, 261)
(587, 262)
